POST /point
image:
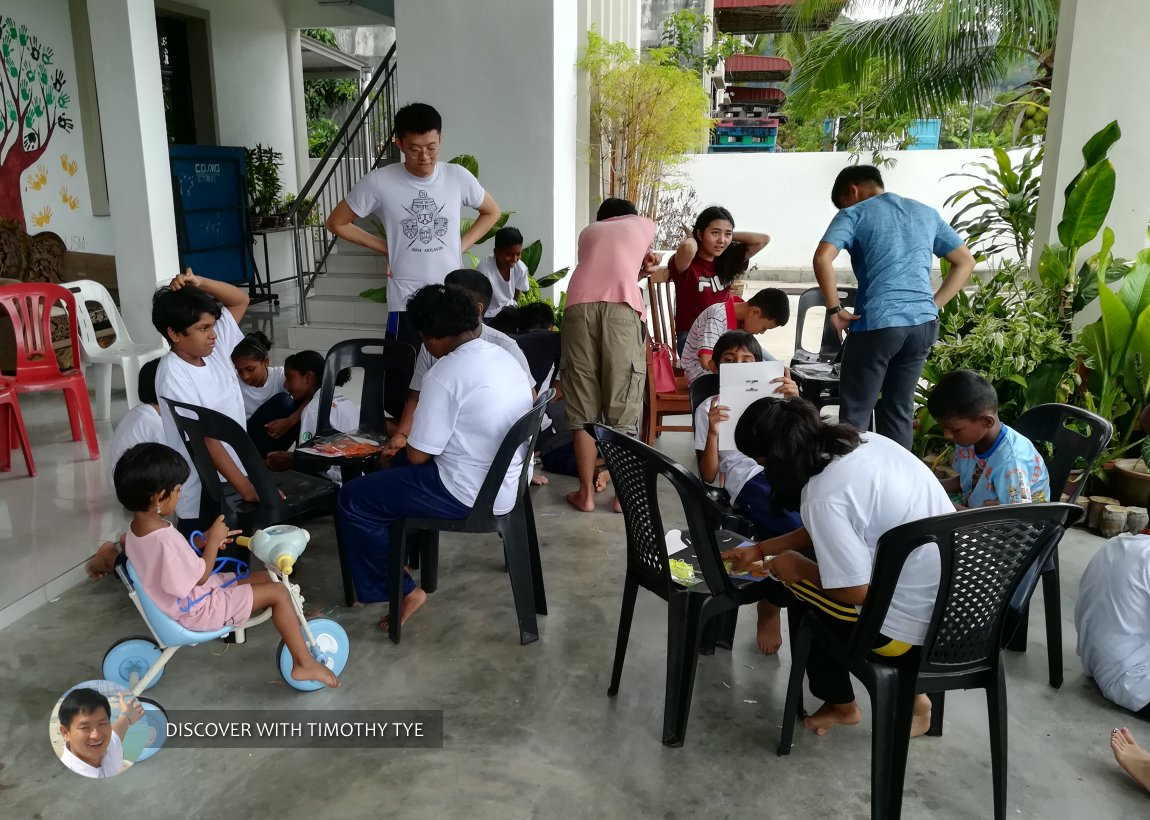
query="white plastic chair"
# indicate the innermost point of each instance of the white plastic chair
(129, 355)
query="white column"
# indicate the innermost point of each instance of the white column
(127, 64)
(1099, 76)
(299, 108)
(510, 102)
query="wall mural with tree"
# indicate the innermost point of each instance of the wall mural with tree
(35, 106)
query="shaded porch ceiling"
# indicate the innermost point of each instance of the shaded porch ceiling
(321, 61)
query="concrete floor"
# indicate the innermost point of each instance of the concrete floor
(529, 731)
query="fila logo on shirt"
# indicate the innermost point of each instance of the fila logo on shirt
(711, 282)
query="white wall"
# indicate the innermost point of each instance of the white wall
(42, 186)
(1100, 76)
(789, 195)
(507, 99)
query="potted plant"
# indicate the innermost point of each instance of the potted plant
(264, 185)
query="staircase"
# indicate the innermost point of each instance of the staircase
(331, 273)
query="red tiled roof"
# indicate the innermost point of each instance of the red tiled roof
(754, 63)
(743, 4)
(742, 93)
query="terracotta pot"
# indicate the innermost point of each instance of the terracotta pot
(1073, 482)
(1131, 486)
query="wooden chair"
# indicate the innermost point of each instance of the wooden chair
(661, 324)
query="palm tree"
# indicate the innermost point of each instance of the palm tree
(927, 54)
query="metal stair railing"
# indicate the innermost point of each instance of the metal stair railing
(361, 145)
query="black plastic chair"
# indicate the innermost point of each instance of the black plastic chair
(635, 469)
(985, 556)
(283, 496)
(516, 528)
(388, 365)
(815, 371)
(702, 389)
(1073, 436)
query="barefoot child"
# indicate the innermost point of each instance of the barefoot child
(850, 488)
(743, 478)
(272, 414)
(505, 270)
(183, 584)
(1131, 757)
(995, 463)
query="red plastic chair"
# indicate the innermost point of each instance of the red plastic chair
(12, 430)
(29, 306)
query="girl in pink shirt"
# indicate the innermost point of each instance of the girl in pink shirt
(148, 478)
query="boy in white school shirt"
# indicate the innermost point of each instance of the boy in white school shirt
(470, 399)
(505, 270)
(93, 742)
(199, 317)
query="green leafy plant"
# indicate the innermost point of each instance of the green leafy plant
(684, 32)
(532, 255)
(320, 133)
(264, 185)
(1088, 199)
(998, 211)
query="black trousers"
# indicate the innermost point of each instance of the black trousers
(279, 406)
(880, 370)
(828, 678)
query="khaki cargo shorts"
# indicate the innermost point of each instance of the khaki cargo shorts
(604, 366)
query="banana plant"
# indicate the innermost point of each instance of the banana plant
(1088, 199)
(1117, 348)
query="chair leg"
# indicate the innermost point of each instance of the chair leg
(683, 638)
(1052, 603)
(395, 580)
(630, 592)
(7, 426)
(131, 367)
(428, 552)
(73, 414)
(88, 424)
(1017, 641)
(800, 651)
(727, 634)
(517, 552)
(996, 711)
(345, 571)
(536, 563)
(937, 712)
(101, 379)
(892, 712)
(19, 433)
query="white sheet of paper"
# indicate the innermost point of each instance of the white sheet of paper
(675, 542)
(740, 385)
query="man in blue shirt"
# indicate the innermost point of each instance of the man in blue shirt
(891, 242)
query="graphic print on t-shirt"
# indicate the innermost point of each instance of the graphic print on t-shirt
(425, 225)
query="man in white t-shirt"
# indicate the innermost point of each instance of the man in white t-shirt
(505, 270)
(93, 742)
(419, 203)
(199, 318)
(850, 488)
(470, 400)
(478, 287)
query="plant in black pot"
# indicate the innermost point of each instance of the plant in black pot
(264, 185)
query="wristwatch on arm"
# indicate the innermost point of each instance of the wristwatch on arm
(836, 309)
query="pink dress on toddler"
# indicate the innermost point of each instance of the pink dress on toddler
(169, 571)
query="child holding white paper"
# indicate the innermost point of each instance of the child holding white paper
(742, 476)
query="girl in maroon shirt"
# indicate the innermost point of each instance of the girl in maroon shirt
(701, 270)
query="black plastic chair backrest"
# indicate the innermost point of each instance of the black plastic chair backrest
(198, 423)
(813, 298)
(702, 389)
(1048, 424)
(635, 470)
(523, 432)
(984, 557)
(378, 358)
